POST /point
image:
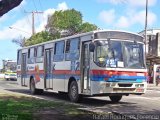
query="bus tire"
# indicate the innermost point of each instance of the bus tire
(73, 92)
(115, 98)
(33, 87)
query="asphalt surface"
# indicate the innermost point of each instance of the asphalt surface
(136, 106)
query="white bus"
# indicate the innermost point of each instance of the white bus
(98, 63)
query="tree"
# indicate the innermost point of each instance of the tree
(87, 27)
(40, 37)
(20, 41)
(69, 21)
(60, 24)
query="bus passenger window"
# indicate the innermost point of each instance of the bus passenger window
(40, 51)
(59, 51)
(72, 49)
(35, 52)
(31, 55)
(19, 57)
(28, 53)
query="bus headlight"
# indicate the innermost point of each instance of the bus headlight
(139, 85)
(113, 84)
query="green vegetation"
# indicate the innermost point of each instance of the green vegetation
(38, 38)
(69, 20)
(27, 108)
(60, 24)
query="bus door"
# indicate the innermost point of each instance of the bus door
(24, 69)
(48, 68)
(85, 67)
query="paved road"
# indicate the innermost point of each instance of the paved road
(148, 103)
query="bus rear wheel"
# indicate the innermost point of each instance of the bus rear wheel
(115, 98)
(73, 92)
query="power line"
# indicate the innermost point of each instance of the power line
(33, 20)
(34, 3)
(40, 4)
(42, 10)
(23, 11)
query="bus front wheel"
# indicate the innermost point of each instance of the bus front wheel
(115, 98)
(73, 92)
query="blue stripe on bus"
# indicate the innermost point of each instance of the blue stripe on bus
(94, 77)
(118, 78)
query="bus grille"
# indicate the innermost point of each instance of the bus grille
(125, 85)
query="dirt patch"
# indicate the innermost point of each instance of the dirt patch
(59, 114)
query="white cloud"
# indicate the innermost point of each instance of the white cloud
(23, 28)
(107, 17)
(110, 18)
(140, 18)
(43, 19)
(112, 1)
(133, 3)
(123, 22)
(62, 6)
(4, 18)
(19, 28)
(141, 3)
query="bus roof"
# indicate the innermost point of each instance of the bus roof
(79, 35)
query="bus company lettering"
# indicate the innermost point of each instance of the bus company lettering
(31, 68)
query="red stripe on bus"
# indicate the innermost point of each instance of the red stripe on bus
(111, 72)
(58, 72)
(35, 72)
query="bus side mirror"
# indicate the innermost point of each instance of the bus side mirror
(91, 47)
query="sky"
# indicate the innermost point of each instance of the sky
(128, 15)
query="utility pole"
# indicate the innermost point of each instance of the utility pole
(33, 15)
(146, 27)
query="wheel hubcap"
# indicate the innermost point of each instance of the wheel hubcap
(32, 86)
(74, 91)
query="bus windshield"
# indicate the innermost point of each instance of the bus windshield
(119, 54)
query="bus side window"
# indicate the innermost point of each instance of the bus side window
(35, 52)
(40, 52)
(72, 49)
(31, 55)
(19, 57)
(28, 53)
(59, 51)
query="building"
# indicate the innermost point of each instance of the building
(152, 52)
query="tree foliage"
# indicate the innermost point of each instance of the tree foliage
(60, 24)
(39, 38)
(87, 27)
(19, 41)
(69, 20)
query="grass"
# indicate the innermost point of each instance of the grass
(28, 108)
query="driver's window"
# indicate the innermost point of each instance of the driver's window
(102, 51)
(135, 53)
